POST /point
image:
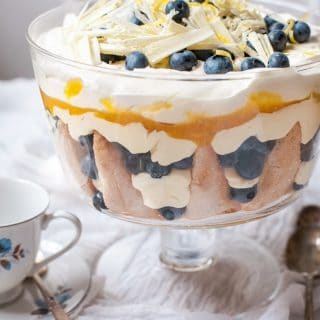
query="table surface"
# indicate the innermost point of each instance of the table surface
(26, 151)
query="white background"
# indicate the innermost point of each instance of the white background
(15, 16)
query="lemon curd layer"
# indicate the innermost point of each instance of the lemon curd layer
(200, 128)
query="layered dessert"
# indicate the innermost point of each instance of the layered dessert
(182, 110)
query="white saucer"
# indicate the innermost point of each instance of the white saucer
(68, 277)
(243, 275)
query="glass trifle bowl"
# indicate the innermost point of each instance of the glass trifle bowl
(179, 150)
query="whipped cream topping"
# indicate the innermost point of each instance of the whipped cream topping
(172, 190)
(211, 98)
(105, 27)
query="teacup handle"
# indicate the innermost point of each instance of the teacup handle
(48, 218)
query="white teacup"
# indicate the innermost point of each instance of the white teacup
(23, 215)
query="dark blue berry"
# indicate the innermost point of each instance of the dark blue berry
(250, 158)
(171, 213)
(278, 40)
(269, 21)
(308, 150)
(297, 186)
(277, 26)
(125, 152)
(278, 60)
(88, 166)
(98, 201)
(218, 65)
(180, 7)
(244, 195)
(203, 55)
(183, 61)
(136, 20)
(136, 60)
(270, 145)
(110, 57)
(156, 170)
(87, 142)
(227, 160)
(251, 63)
(301, 32)
(252, 143)
(183, 164)
(136, 163)
(199, 1)
(249, 163)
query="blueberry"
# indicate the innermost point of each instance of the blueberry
(269, 21)
(249, 163)
(277, 26)
(183, 61)
(278, 40)
(308, 150)
(204, 54)
(218, 65)
(297, 186)
(136, 20)
(244, 195)
(183, 164)
(301, 32)
(88, 166)
(227, 160)
(252, 143)
(110, 57)
(136, 163)
(157, 171)
(98, 201)
(270, 144)
(278, 60)
(199, 1)
(180, 7)
(87, 142)
(171, 213)
(251, 63)
(137, 60)
(125, 152)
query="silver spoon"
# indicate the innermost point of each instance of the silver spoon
(55, 308)
(303, 252)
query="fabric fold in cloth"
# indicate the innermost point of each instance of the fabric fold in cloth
(26, 151)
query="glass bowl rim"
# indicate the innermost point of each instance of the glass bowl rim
(185, 76)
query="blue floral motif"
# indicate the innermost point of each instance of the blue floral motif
(9, 255)
(61, 296)
(5, 246)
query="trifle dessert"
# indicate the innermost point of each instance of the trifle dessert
(178, 110)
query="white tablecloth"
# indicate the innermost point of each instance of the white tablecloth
(26, 151)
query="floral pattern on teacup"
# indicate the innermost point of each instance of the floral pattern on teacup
(9, 254)
(61, 296)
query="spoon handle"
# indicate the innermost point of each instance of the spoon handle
(57, 311)
(308, 312)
